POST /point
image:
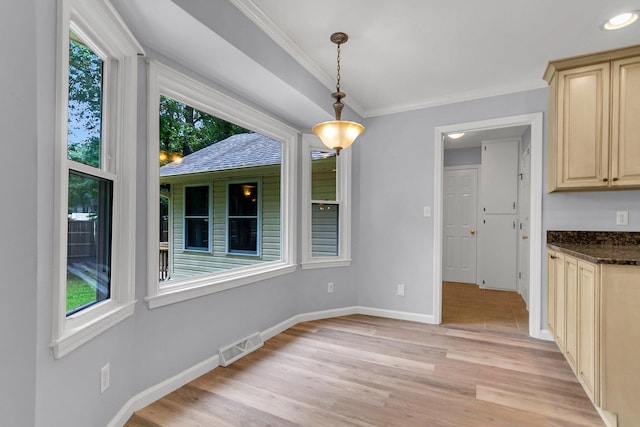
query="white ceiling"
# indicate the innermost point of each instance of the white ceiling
(401, 55)
(406, 54)
(475, 138)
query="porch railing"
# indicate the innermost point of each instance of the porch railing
(164, 261)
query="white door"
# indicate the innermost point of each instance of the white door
(523, 215)
(497, 236)
(498, 226)
(498, 176)
(460, 213)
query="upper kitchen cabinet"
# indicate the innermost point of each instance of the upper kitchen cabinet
(594, 131)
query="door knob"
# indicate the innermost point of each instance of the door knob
(472, 231)
(525, 237)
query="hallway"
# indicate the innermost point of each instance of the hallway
(469, 306)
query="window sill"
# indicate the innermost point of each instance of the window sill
(325, 263)
(74, 338)
(197, 287)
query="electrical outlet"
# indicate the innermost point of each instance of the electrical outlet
(427, 211)
(330, 287)
(622, 218)
(104, 377)
(400, 290)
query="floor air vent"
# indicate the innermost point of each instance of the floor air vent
(235, 351)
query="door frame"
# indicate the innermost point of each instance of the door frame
(526, 154)
(477, 169)
(535, 121)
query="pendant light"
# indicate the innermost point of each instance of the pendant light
(338, 134)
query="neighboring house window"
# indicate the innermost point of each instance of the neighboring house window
(228, 172)
(327, 206)
(95, 173)
(243, 218)
(196, 218)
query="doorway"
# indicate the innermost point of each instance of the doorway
(535, 217)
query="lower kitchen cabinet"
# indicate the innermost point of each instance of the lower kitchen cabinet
(593, 312)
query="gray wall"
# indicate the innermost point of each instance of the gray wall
(462, 156)
(392, 240)
(395, 238)
(18, 196)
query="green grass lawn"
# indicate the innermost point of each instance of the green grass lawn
(79, 292)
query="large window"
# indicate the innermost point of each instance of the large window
(326, 210)
(227, 174)
(95, 172)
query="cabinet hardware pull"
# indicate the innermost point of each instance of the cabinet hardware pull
(553, 257)
(614, 179)
(605, 179)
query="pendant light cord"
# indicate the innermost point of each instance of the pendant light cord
(338, 72)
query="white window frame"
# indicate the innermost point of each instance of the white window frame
(163, 80)
(99, 25)
(258, 252)
(209, 247)
(343, 198)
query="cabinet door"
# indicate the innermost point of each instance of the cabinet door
(571, 311)
(587, 328)
(625, 123)
(499, 177)
(561, 301)
(551, 292)
(497, 250)
(583, 127)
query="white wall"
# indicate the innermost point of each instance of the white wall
(462, 156)
(18, 209)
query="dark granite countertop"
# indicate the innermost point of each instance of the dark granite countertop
(598, 247)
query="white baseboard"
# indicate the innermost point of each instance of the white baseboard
(150, 395)
(153, 393)
(400, 315)
(546, 335)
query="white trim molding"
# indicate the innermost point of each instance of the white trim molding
(166, 81)
(312, 143)
(535, 121)
(99, 26)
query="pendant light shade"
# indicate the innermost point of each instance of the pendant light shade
(338, 134)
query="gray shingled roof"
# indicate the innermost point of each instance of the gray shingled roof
(237, 151)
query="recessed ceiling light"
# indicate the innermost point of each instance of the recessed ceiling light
(456, 135)
(621, 21)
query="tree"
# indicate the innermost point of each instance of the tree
(85, 104)
(185, 130)
(84, 123)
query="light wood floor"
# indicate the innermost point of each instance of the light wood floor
(367, 371)
(468, 306)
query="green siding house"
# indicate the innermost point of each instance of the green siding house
(222, 207)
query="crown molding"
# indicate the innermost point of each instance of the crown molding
(278, 35)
